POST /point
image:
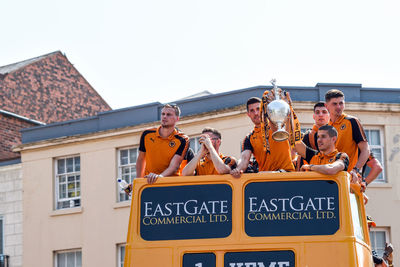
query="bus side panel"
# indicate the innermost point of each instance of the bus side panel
(155, 257)
(364, 256)
(329, 254)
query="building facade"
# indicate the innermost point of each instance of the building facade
(74, 214)
(41, 90)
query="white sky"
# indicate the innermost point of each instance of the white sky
(135, 52)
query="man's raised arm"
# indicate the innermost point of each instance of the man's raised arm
(242, 165)
(364, 154)
(191, 165)
(301, 149)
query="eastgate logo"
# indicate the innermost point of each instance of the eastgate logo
(186, 212)
(190, 211)
(293, 208)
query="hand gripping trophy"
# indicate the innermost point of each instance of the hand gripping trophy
(276, 108)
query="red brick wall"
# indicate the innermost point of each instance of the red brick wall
(10, 135)
(50, 90)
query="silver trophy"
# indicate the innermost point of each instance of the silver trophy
(278, 111)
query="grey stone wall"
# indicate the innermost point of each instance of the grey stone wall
(11, 211)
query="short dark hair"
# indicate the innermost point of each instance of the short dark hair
(319, 104)
(330, 129)
(175, 107)
(333, 93)
(211, 130)
(252, 100)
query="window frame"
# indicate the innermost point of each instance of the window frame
(387, 237)
(196, 143)
(378, 180)
(2, 234)
(120, 260)
(57, 199)
(121, 196)
(305, 128)
(58, 252)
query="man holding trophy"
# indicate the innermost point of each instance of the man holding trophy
(269, 142)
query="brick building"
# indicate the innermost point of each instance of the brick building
(10, 136)
(34, 92)
(47, 89)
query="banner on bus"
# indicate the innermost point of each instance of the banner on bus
(186, 212)
(291, 208)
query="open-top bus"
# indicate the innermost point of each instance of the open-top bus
(259, 220)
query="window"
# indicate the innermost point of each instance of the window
(305, 129)
(68, 259)
(126, 168)
(194, 144)
(376, 147)
(356, 216)
(121, 255)
(1, 236)
(68, 182)
(379, 237)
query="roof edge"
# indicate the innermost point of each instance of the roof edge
(24, 63)
(8, 113)
(150, 112)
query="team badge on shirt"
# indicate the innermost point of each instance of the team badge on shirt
(343, 126)
(172, 144)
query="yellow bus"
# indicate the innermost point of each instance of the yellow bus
(260, 220)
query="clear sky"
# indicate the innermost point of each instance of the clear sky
(135, 52)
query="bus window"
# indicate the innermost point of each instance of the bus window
(356, 216)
